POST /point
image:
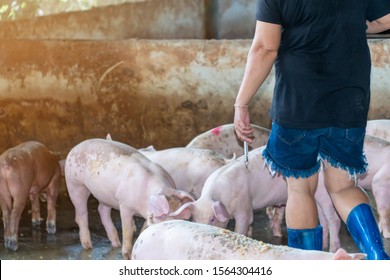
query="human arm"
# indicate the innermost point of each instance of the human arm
(379, 25)
(261, 57)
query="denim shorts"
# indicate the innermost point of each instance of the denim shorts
(299, 152)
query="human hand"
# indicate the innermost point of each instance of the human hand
(242, 126)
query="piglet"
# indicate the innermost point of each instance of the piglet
(119, 177)
(235, 191)
(224, 140)
(184, 240)
(27, 171)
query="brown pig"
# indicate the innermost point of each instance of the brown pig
(26, 171)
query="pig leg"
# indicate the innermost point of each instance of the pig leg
(5, 202)
(79, 196)
(381, 192)
(325, 228)
(127, 219)
(331, 224)
(105, 217)
(52, 194)
(11, 241)
(35, 208)
(275, 215)
(18, 194)
(244, 221)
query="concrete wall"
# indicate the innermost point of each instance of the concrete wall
(148, 19)
(160, 92)
(143, 92)
(153, 19)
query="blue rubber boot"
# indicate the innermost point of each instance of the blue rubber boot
(307, 239)
(364, 230)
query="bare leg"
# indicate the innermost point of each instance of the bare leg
(301, 207)
(352, 203)
(343, 191)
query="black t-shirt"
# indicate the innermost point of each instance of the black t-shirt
(323, 65)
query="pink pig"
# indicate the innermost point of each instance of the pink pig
(189, 167)
(377, 178)
(27, 171)
(183, 240)
(224, 140)
(234, 192)
(119, 177)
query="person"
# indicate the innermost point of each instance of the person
(319, 108)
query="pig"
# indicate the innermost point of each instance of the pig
(27, 171)
(329, 218)
(119, 177)
(379, 128)
(184, 240)
(235, 191)
(377, 178)
(189, 167)
(224, 140)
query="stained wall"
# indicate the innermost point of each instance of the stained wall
(88, 81)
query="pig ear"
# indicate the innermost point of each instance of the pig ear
(158, 205)
(359, 256)
(220, 211)
(148, 149)
(184, 211)
(341, 254)
(184, 196)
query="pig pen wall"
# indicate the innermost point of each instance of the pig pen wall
(143, 19)
(143, 92)
(69, 77)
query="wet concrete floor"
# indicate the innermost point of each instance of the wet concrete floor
(36, 244)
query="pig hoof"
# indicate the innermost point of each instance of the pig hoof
(51, 229)
(36, 223)
(87, 245)
(126, 256)
(11, 244)
(116, 244)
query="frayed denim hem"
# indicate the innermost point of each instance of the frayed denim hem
(353, 172)
(274, 168)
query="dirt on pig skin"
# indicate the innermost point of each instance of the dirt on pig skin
(36, 244)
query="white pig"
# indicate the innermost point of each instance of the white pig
(189, 167)
(119, 177)
(183, 240)
(224, 140)
(377, 178)
(235, 192)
